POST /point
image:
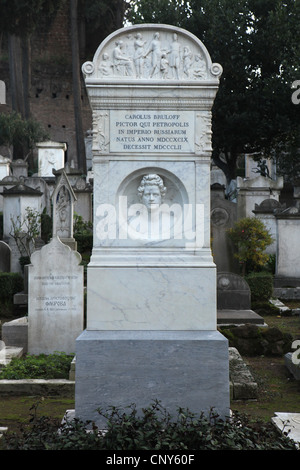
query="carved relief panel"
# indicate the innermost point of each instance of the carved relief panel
(152, 52)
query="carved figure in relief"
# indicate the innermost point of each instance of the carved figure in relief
(106, 65)
(152, 191)
(175, 56)
(139, 54)
(155, 50)
(187, 61)
(122, 64)
(47, 162)
(164, 65)
(199, 67)
(63, 212)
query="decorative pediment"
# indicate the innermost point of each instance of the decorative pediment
(152, 52)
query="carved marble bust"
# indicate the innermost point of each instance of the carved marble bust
(152, 191)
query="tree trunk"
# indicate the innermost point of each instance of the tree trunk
(80, 146)
(19, 69)
(16, 75)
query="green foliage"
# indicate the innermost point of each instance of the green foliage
(83, 234)
(25, 230)
(80, 225)
(251, 238)
(19, 132)
(46, 226)
(160, 11)
(261, 286)
(251, 340)
(257, 44)
(52, 366)
(153, 429)
(10, 284)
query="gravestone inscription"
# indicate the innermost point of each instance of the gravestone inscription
(55, 299)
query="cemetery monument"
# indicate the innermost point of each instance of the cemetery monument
(151, 328)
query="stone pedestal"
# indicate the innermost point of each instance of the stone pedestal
(181, 369)
(151, 282)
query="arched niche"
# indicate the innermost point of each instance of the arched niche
(176, 192)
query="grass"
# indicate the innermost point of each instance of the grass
(278, 391)
(15, 411)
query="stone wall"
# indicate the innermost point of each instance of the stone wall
(51, 95)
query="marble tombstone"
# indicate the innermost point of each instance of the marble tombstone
(151, 282)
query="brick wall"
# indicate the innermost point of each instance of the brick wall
(51, 96)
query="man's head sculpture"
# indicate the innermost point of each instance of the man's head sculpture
(152, 191)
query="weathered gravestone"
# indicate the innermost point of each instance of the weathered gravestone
(5, 257)
(19, 168)
(234, 300)
(223, 217)
(4, 167)
(55, 299)
(151, 287)
(19, 202)
(255, 191)
(2, 92)
(51, 156)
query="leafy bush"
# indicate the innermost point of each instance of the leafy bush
(52, 366)
(153, 429)
(10, 284)
(46, 226)
(83, 234)
(251, 238)
(261, 286)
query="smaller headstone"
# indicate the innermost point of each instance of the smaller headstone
(88, 149)
(2, 92)
(63, 198)
(223, 216)
(51, 155)
(19, 168)
(83, 204)
(5, 257)
(233, 292)
(265, 211)
(234, 301)
(255, 191)
(4, 167)
(288, 248)
(55, 299)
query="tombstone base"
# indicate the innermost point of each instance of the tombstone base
(188, 369)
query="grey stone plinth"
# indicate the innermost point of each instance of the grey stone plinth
(188, 369)
(15, 333)
(293, 368)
